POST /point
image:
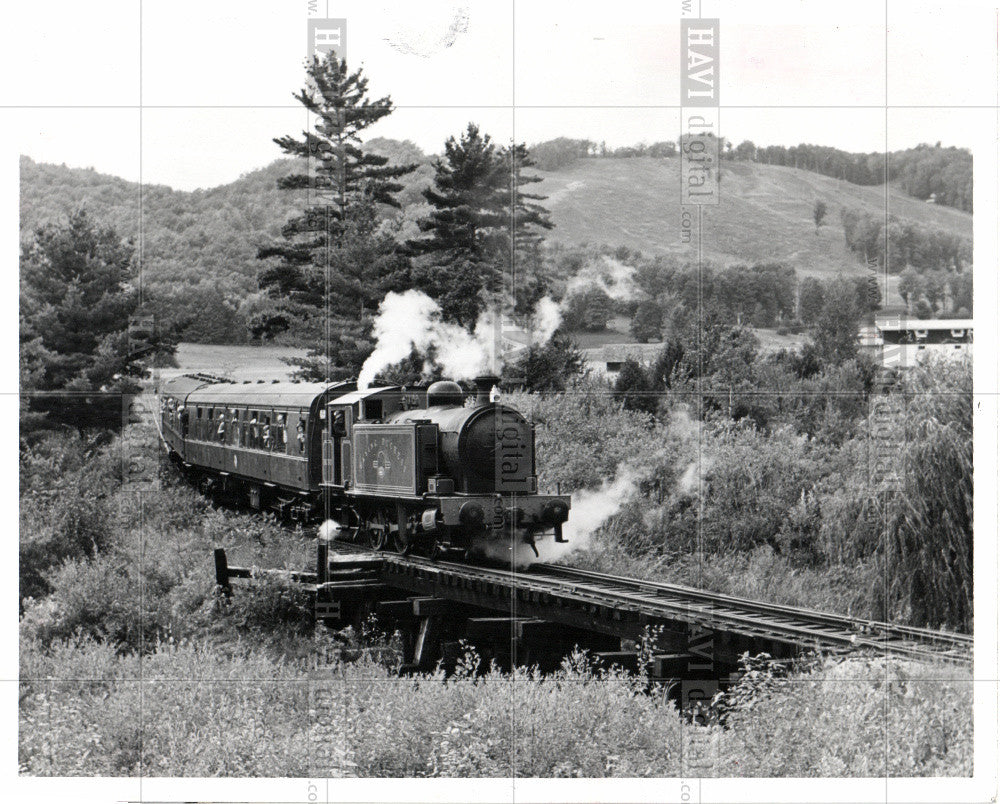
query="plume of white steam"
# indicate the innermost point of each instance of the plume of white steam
(610, 275)
(545, 320)
(687, 429)
(590, 509)
(330, 530)
(693, 476)
(411, 320)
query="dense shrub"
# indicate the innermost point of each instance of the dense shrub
(211, 711)
(547, 367)
(927, 539)
(803, 499)
(142, 568)
(65, 480)
(867, 718)
(634, 389)
(583, 435)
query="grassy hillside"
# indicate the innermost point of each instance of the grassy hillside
(764, 214)
(199, 248)
(765, 211)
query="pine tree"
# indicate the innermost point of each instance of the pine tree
(336, 260)
(530, 218)
(77, 297)
(529, 215)
(460, 258)
(480, 219)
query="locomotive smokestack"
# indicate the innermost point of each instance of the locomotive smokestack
(484, 385)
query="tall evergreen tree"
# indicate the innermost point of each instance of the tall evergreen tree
(460, 258)
(529, 215)
(480, 218)
(76, 298)
(529, 220)
(336, 260)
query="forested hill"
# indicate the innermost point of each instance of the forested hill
(199, 248)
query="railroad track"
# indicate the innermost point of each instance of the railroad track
(550, 588)
(804, 625)
(791, 625)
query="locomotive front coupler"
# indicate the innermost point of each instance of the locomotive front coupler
(529, 539)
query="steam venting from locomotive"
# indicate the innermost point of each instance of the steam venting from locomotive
(614, 277)
(590, 509)
(412, 320)
(545, 320)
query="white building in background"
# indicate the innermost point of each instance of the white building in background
(906, 341)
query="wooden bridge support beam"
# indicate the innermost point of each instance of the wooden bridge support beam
(222, 572)
(426, 648)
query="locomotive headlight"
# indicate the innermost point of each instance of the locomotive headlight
(471, 515)
(555, 512)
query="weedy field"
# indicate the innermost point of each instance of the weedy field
(130, 663)
(201, 709)
(235, 362)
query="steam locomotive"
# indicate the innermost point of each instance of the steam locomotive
(396, 468)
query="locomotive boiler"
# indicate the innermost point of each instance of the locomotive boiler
(396, 468)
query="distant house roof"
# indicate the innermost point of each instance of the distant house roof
(902, 324)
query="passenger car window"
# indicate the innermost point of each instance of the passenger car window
(279, 431)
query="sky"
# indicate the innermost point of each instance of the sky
(190, 93)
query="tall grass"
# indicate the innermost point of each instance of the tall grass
(65, 511)
(130, 663)
(142, 569)
(189, 709)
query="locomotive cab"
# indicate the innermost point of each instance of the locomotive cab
(365, 406)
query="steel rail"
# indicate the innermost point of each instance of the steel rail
(855, 625)
(802, 627)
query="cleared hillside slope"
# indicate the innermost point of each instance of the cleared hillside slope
(765, 212)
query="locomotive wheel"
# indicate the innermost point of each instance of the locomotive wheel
(402, 541)
(377, 530)
(376, 537)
